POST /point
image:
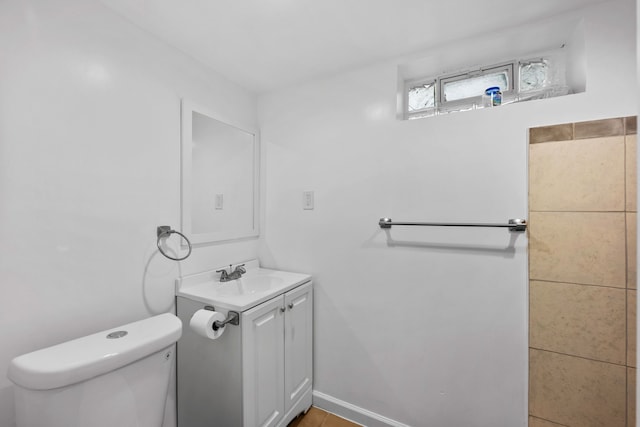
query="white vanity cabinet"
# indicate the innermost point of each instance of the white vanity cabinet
(258, 373)
(277, 359)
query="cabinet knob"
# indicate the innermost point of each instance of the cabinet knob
(290, 305)
(282, 309)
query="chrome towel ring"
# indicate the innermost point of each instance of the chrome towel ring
(164, 231)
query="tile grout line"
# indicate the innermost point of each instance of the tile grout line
(528, 389)
(622, 288)
(529, 272)
(546, 419)
(626, 284)
(623, 365)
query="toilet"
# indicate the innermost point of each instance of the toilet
(115, 378)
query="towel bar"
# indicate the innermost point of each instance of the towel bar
(513, 224)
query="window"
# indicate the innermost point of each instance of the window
(422, 96)
(473, 84)
(517, 80)
(533, 75)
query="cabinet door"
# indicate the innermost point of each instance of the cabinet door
(263, 364)
(298, 343)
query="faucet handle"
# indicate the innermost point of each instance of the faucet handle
(241, 268)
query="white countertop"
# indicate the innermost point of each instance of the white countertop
(254, 287)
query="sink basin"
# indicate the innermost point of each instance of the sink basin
(254, 287)
(250, 284)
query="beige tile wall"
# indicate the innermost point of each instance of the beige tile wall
(582, 270)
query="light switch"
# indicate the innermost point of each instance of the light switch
(307, 200)
(219, 201)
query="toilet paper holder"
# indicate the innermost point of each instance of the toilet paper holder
(233, 317)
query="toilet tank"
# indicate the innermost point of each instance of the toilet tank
(115, 378)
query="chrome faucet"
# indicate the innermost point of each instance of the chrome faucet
(231, 275)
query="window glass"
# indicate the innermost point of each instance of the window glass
(474, 86)
(422, 96)
(533, 75)
(520, 80)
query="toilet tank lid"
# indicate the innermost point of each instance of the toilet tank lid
(87, 357)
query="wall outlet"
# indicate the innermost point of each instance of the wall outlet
(219, 203)
(307, 200)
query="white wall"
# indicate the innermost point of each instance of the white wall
(431, 329)
(425, 326)
(89, 166)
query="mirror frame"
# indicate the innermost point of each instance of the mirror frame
(188, 107)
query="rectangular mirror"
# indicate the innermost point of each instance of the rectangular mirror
(220, 162)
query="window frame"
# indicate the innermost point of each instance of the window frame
(555, 84)
(511, 67)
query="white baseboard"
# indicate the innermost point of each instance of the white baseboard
(352, 412)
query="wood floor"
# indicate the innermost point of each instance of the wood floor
(318, 418)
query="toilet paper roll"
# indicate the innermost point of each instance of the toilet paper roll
(202, 323)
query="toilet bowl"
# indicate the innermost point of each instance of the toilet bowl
(115, 378)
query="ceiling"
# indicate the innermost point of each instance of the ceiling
(264, 45)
